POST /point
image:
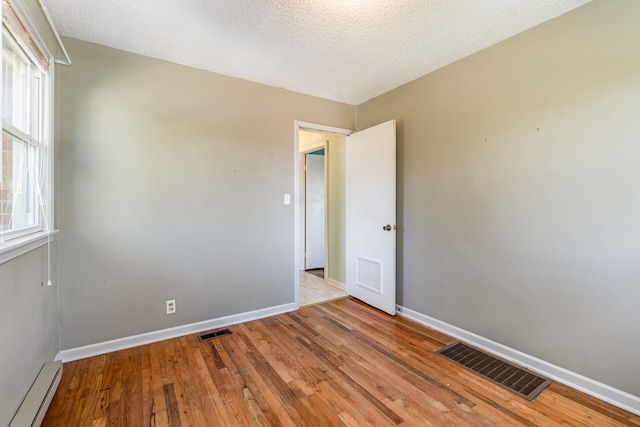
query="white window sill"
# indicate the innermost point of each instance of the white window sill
(20, 246)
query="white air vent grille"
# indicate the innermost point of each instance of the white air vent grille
(369, 274)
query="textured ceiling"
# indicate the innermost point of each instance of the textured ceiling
(344, 50)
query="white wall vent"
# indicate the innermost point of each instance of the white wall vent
(369, 274)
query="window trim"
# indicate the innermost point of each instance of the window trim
(20, 241)
(22, 245)
(23, 35)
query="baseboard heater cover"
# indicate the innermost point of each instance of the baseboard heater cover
(35, 404)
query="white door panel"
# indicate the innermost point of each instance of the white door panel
(371, 216)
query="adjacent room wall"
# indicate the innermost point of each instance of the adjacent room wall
(337, 157)
(171, 183)
(519, 192)
(29, 325)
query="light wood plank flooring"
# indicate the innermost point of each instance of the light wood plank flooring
(335, 364)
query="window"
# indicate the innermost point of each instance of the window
(25, 167)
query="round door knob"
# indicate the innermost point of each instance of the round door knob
(387, 227)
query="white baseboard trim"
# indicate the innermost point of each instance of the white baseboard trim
(589, 386)
(164, 334)
(337, 284)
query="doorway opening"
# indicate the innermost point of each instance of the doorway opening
(368, 237)
(320, 213)
(315, 211)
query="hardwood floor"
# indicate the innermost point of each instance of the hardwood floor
(340, 363)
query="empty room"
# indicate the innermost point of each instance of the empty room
(479, 238)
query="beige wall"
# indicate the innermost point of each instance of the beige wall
(171, 183)
(336, 215)
(518, 178)
(28, 324)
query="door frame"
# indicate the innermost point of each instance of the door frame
(311, 127)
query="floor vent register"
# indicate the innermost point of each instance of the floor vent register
(516, 379)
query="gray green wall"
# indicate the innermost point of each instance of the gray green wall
(336, 234)
(28, 325)
(519, 192)
(171, 183)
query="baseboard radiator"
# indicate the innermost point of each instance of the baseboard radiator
(35, 404)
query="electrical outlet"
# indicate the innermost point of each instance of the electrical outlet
(171, 306)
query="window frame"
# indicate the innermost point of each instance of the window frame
(37, 137)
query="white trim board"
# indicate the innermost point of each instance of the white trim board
(336, 284)
(574, 380)
(165, 334)
(314, 127)
(22, 245)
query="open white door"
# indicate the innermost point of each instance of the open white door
(371, 216)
